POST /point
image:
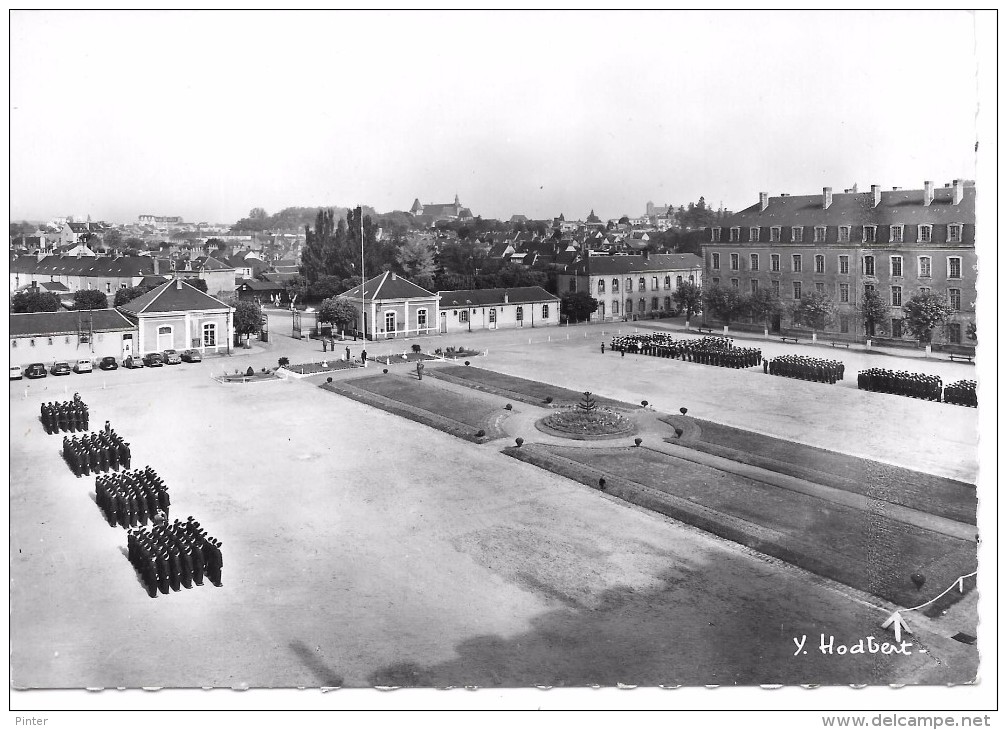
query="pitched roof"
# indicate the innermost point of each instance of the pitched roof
(122, 266)
(172, 297)
(494, 297)
(64, 323)
(279, 277)
(258, 285)
(606, 265)
(388, 286)
(209, 263)
(152, 280)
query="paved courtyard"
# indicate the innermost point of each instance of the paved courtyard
(361, 548)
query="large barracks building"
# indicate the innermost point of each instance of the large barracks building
(898, 242)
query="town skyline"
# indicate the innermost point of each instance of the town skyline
(554, 131)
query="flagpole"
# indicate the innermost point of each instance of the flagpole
(360, 218)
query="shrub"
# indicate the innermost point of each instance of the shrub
(683, 411)
(508, 407)
(284, 361)
(548, 399)
(679, 432)
(643, 403)
(638, 441)
(250, 372)
(328, 380)
(601, 483)
(416, 348)
(480, 433)
(384, 370)
(519, 441)
(467, 362)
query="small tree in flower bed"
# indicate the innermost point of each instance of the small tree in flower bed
(587, 404)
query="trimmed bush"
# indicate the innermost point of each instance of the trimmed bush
(467, 363)
(416, 348)
(519, 441)
(480, 433)
(328, 380)
(638, 440)
(548, 399)
(385, 371)
(679, 432)
(643, 403)
(683, 411)
(508, 407)
(250, 372)
(283, 361)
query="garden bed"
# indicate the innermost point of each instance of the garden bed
(327, 366)
(573, 423)
(399, 358)
(532, 392)
(244, 378)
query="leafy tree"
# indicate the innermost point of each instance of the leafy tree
(924, 312)
(339, 312)
(416, 257)
(624, 220)
(873, 310)
(215, 244)
(134, 242)
(814, 310)
(258, 214)
(296, 288)
(971, 332)
(697, 215)
(129, 294)
(763, 305)
(577, 305)
(688, 296)
(33, 300)
(198, 283)
(725, 303)
(325, 287)
(247, 318)
(89, 299)
(113, 238)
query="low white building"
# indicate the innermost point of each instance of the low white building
(466, 310)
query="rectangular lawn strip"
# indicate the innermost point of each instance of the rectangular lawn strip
(935, 495)
(426, 403)
(866, 550)
(520, 389)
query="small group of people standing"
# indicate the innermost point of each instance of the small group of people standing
(132, 498)
(962, 393)
(96, 452)
(67, 416)
(806, 368)
(900, 382)
(171, 556)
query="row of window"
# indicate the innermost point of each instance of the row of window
(641, 284)
(463, 315)
(66, 340)
(641, 306)
(924, 264)
(870, 234)
(954, 295)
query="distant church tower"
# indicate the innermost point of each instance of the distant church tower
(458, 206)
(417, 209)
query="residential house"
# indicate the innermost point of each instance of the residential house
(178, 316)
(394, 307)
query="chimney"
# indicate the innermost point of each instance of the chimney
(876, 194)
(763, 201)
(928, 192)
(826, 198)
(506, 297)
(178, 283)
(956, 193)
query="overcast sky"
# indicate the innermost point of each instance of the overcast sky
(206, 115)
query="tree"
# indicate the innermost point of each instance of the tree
(198, 283)
(972, 333)
(122, 296)
(89, 299)
(724, 303)
(296, 288)
(416, 257)
(763, 305)
(325, 287)
(814, 310)
(247, 318)
(688, 296)
(134, 242)
(339, 312)
(215, 244)
(33, 300)
(258, 214)
(577, 305)
(924, 312)
(624, 220)
(112, 238)
(873, 310)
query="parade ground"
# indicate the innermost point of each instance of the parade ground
(362, 548)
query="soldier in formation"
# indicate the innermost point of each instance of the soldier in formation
(69, 416)
(962, 393)
(169, 557)
(719, 351)
(132, 498)
(900, 382)
(807, 368)
(96, 452)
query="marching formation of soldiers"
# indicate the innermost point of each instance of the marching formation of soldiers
(132, 498)
(96, 452)
(718, 351)
(168, 557)
(67, 416)
(962, 393)
(900, 382)
(806, 368)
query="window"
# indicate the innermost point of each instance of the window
(755, 285)
(735, 234)
(896, 266)
(716, 281)
(844, 264)
(573, 283)
(629, 285)
(924, 290)
(797, 290)
(925, 233)
(493, 315)
(108, 287)
(123, 286)
(955, 299)
(678, 281)
(925, 266)
(715, 260)
(954, 333)
(735, 262)
(896, 234)
(390, 321)
(870, 234)
(735, 283)
(463, 316)
(653, 283)
(421, 319)
(601, 286)
(755, 261)
(643, 283)
(796, 264)
(955, 233)
(896, 296)
(519, 311)
(844, 324)
(774, 262)
(844, 293)
(776, 288)
(545, 311)
(643, 305)
(667, 304)
(615, 307)
(667, 281)
(653, 303)
(601, 310)
(774, 234)
(954, 267)
(753, 234)
(210, 335)
(868, 288)
(615, 286)
(797, 234)
(716, 235)
(844, 234)
(692, 279)
(868, 266)
(897, 328)
(819, 264)
(629, 306)
(819, 234)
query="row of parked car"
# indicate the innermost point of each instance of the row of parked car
(150, 360)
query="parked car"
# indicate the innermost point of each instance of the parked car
(171, 357)
(15, 372)
(108, 363)
(82, 366)
(132, 362)
(153, 360)
(60, 368)
(35, 370)
(192, 356)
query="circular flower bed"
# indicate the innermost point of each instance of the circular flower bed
(598, 423)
